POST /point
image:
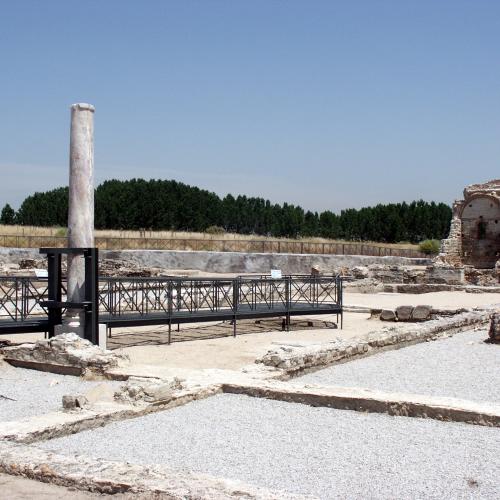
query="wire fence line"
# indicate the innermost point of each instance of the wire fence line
(217, 245)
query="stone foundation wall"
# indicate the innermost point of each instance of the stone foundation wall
(228, 262)
(296, 359)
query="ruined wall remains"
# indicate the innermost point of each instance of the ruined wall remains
(474, 237)
(223, 262)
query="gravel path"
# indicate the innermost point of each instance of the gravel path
(26, 393)
(319, 451)
(462, 366)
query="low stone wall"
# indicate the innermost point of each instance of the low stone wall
(431, 287)
(67, 354)
(97, 475)
(296, 359)
(228, 262)
(367, 400)
(494, 332)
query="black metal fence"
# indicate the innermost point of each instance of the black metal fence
(20, 297)
(140, 301)
(143, 296)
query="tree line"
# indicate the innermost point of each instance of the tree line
(171, 205)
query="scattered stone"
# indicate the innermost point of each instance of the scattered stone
(139, 390)
(27, 264)
(360, 272)
(388, 315)
(403, 313)
(315, 271)
(494, 332)
(74, 402)
(421, 313)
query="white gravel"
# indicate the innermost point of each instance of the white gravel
(462, 366)
(26, 393)
(318, 451)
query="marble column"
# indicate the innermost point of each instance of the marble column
(81, 206)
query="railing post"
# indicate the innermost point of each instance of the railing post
(91, 294)
(339, 298)
(288, 289)
(236, 291)
(169, 293)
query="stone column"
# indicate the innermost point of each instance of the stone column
(81, 205)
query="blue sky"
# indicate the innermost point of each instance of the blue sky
(326, 104)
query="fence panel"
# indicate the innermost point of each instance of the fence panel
(217, 245)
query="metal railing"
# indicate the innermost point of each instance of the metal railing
(190, 296)
(20, 297)
(217, 245)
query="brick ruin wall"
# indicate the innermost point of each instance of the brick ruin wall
(474, 238)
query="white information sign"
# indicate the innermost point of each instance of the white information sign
(275, 274)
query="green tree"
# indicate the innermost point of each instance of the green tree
(168, 204)
(8, 215)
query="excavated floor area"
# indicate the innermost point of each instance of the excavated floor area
(462, 366)
(27, 393)
(297, 448)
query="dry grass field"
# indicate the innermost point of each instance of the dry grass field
(33, 237)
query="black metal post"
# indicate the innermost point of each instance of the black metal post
(90, 305)
(91, 309)
(54, 290)
(236, 292)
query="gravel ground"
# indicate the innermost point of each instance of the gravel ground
(318, 451)
(26, 393)
(462, 366)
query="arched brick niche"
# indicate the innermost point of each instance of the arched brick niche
(480, 217)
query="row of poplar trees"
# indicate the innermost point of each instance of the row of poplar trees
(171, 205)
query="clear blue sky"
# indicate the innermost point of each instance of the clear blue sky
(326, 104)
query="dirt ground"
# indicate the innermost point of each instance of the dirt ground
(20, 488)
(230, 353)
(442, 300)
(216, 348)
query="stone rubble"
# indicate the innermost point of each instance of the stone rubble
(421, 313)
(107, 268)
(142, 390)
(494, 331)
(403, 313)
(406, 313)
(66, 350)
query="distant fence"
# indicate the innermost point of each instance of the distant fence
(216, 245)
